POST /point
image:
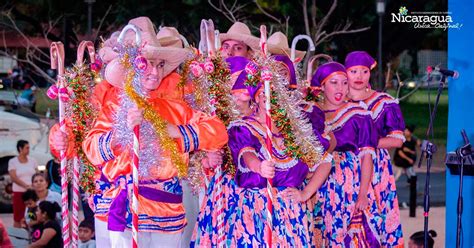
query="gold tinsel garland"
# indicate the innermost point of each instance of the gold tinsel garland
(160, 126)
(183, 80)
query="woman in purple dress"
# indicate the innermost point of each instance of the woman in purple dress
(349, 214)
(389, 125)
(206, 230)
(248, 225)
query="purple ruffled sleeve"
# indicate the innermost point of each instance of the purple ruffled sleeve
(394, 123)
(242, 141)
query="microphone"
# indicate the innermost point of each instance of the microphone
(448, 73)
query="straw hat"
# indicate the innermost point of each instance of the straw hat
(107, 53)
(277, 43)
(151, 49)
(169, 37)
(241, 32)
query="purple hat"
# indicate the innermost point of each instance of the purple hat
(286, 61)
(360, 58)
(324, 72)
(240, 85)
(236, 63)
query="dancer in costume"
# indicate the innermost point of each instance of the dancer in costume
(349, 210)
(169, 88)
(314, 192)
(161, 212)
(206, 231)
(236, 48)
(389, 126)
(249, 222)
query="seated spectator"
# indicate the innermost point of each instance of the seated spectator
(40, 184)
(86, 233)
(34, 227)
(51, 235)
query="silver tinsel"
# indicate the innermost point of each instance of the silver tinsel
(150, 148)
(291, 102)
(150, 151)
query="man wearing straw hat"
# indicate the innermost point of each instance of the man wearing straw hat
(238, 41)
(169, 88)
(160, 200)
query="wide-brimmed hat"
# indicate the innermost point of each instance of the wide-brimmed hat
(107, 52)
(151, 49)
(277, 44)
(170, 37)
(241, 32)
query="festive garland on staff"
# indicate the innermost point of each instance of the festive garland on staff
(211, 79)
(80, 110)
(160, 126)
(286, 112)
(212, 85)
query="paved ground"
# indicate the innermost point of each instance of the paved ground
(437, 189)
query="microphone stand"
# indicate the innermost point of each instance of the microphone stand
(463, 152)
(428, 149)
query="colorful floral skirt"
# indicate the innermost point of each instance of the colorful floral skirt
(341, 195)
(206, 230)
(387, 202)
(248, 225)
(314, 210)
